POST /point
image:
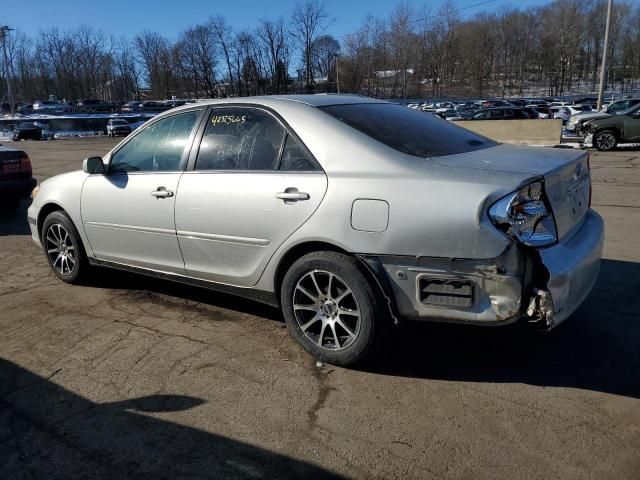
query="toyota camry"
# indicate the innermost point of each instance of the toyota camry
(350, 214)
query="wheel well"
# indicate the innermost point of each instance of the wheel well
(615, 131)
(294, 254)
(304, 248)
(44, 211)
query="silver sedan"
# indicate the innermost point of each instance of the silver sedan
(350, 214)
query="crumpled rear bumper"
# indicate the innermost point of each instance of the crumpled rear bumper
(544, 287)
(573, 267)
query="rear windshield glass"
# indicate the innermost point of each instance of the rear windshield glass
(409, 131)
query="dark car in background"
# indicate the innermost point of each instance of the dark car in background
(16, 177)
(606, 133)
(92, 105)
(118, 126)
(500, 113)
(496, 102)
(27, 131)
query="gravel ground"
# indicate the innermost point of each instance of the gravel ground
(138, 378)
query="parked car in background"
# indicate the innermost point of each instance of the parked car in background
(27, 131)
(16, 178)
(496, 103)
(118, 126)
(44, 105)
(565, 112)
(92, 105)
(500, 113)
(133, 106)
(606, 133)
(531, 112)
(543, 111)
(346, 237)
(616, 108)
(25, 109)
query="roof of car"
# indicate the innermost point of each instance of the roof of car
(321, 100)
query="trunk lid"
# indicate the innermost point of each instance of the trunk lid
(565, 171)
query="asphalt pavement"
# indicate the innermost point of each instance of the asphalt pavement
(132, 377)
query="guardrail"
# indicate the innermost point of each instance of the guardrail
(519, 132)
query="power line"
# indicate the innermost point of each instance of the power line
(429, 17)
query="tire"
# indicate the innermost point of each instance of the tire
(605, 140)
(327, 327)
(63, 248)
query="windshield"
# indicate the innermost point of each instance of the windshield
(409, 131)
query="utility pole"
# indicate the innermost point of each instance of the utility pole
(603, 69)
(4, 31)
(337, 75)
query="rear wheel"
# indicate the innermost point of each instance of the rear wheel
(332, 309)
(63, 248)
(605, 140)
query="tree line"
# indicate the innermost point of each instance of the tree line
(548, 50)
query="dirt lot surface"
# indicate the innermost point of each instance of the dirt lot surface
(138, 378)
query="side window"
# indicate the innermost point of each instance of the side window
(295, 158)
(619, 107)
(158, 148)
(238, 138)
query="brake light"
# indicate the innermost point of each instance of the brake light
(25, 164)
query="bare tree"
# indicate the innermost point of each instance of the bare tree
(308, 20)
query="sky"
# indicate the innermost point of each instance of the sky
(169, 17)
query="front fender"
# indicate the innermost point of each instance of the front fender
(62, 192)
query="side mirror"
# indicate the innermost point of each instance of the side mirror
(93, 165)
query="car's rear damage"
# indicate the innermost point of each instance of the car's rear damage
(545, 272)
(542, 287)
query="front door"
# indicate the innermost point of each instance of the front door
(253, 185)
(128, 213)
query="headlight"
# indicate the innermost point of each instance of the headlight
(525, 216)
(35, 191)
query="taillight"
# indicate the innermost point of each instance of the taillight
(525, 216)
(25, 164)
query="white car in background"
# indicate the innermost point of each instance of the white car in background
(565, 111)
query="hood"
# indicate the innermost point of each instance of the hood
(513, 159)
(612, 120)
(591, 116)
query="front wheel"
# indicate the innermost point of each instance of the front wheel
(332, 309)
(605, 140)
(63, 248)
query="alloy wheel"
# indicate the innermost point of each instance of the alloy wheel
(326, 310)
(60, 249)
(606, 141)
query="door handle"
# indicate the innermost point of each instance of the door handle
(161, 192)
(292, 194)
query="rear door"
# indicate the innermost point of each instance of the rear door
(252, 185)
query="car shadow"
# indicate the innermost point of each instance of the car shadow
(597, 348)
(120, 279)
(14, 222)
(47, 431)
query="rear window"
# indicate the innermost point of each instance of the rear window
(409, 131)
